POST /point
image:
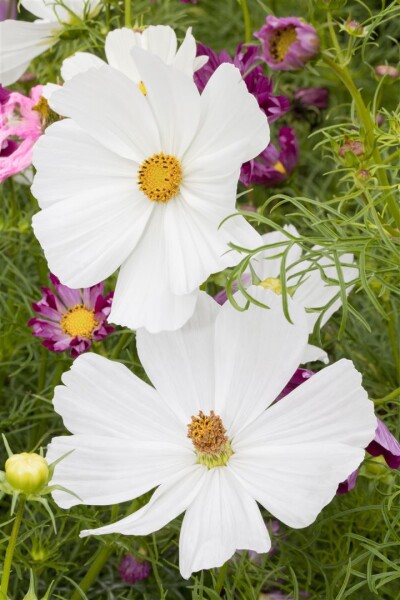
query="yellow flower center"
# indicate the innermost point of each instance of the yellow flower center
(278, 166)
(209, 439)
(160, 176)
(142, 88)
(272, 283)
(79, 321)
(282, 39)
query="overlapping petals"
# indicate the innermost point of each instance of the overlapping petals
(20, 127)
(91, 161)
(21, 41)
(55, 306)
(300, 448)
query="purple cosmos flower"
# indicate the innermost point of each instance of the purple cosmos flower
(313, 97)
(246, 60)
(384, 443)
(287, 43)
(8, 9)
(132, 570)
(20, 127)
(273, 166)
(73, 319)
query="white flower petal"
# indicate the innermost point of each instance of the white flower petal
(103, 470)
(49, 89)
(174, 101)
(143, 297)
(185, 57)
(194, 247)
(70, 162)
(40, 8)
(223, 518)
(200, 61)
(86, 237)
(112, 110)
(232, 127)
(117, 47)
(168, 501)
(79, 63)
(102, 397)
(256, 353)
(313, 353)
(159, 40)
(293, 458)
(314, 292)
(21, 42)
(180, 363)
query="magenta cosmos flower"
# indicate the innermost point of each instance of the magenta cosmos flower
(246, 60)
(20, 127)
(312, 97)
(287, 43)
(8, 9)
(71, 319)
(384, 443)
(273, 166)
(132, 570)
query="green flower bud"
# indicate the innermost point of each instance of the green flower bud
(27, 472)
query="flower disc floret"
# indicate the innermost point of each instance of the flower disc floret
(160, 177)
(79, 321)
(281, 41)
(209, 439)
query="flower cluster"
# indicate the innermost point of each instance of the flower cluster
(140, 174)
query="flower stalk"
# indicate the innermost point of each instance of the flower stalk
(10, 549)
(100, 559)
(366, 119)
(128, 13)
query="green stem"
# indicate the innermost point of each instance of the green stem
(123, 339)
(128, 13)
(246, 21)
(100, 559)
(392, 396)
(219, 586)
(10, 549)
(366, 120)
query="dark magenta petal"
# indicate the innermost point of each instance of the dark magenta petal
(384, 443)
(132, 570)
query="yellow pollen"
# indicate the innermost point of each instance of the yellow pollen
(207, 433)
(272, 283)
(79, 321)
(280, 42)
(142, 88)
(278, 166)
(160, 176)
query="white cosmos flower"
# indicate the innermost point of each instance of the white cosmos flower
(159, 40)
(143, 181)
(313, 285)
(21, 41)
(203, 434)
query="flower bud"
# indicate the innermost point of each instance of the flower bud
(354, 28)
(387, 71)
(27, 472)
(354, 146)
(132, 570)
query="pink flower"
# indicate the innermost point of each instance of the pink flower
(8, 9)
(73, 319)
(132, 570)
(273, 166)
(287, 43)
(312, 97)
(20, 127)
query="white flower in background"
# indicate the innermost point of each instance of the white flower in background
(203, 434)
(159, 40)
(312, 284)
(143, 181)
(21, 41)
